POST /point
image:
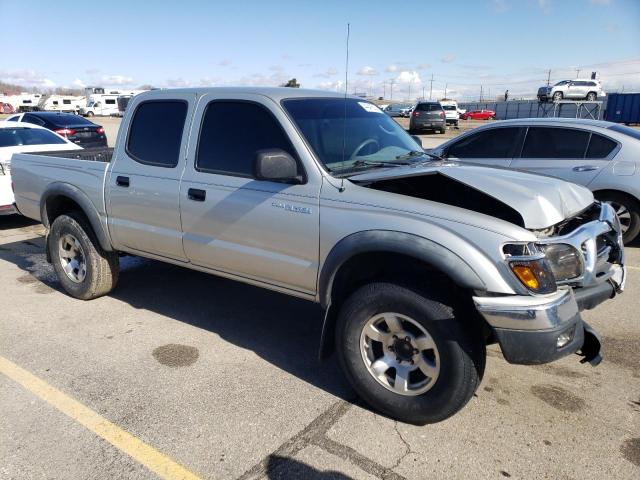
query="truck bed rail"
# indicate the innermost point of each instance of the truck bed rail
(99, 154)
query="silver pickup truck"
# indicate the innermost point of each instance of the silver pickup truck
(419, 263)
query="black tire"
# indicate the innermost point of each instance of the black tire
(631, 205)
(89, 114)
(557, 96)
(592, 96)
(413, 131)
(443, 130)
(460, 346)
(102, 267)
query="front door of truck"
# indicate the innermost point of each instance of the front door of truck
(259, 230)
(144, 184)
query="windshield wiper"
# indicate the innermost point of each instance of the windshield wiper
(378, 163)
(418, 153)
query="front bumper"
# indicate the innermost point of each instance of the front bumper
(528, 328)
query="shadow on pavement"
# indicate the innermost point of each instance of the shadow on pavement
(283, 330)
(282, 468)
(8, 222)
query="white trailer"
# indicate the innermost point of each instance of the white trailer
(24, 102)
(62, 103)
(104, 102)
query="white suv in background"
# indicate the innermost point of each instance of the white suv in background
(451, 112)
(572, 90)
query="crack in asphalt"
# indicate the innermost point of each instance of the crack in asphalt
(406, 445)
(315, 433)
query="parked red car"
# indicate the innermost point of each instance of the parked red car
(479, 115)
(6, 108)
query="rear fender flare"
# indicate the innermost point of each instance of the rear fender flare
(86, 205)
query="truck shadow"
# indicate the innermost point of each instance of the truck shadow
(283, 330)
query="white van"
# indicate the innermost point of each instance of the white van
(100, 104)
(451, 112)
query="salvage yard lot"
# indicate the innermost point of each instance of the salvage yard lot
(223, 379)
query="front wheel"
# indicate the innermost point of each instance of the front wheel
(406, 353)
(557, 96)
(84, 269)
(628, 211)
(591, 97)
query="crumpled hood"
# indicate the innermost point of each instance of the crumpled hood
(542, 201)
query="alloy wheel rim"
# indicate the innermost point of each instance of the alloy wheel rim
(400, 354)
(72, 258)
(624, 216)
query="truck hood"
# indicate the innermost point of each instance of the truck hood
(541, 201)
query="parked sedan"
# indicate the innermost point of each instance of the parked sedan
(23, 138)
(397, 109)
(602, 156)
(75, 128)
(478, 115)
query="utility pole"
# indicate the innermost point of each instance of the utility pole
(445, 89)
(431, 88)
(391, 82)
(423, 93)
(549, 78)
(480, 93)
(410, 81)
(384, 89)
(577, 72)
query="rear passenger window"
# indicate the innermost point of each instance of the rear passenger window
(110, 101)
(492, 143)
(156, 132)
(600, 147)
(231, 134)
(544, 142)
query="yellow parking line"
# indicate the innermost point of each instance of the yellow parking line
(148, 456)
(633, 267)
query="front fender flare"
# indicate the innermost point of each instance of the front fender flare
(420, 248)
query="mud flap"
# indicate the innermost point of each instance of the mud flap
(592, 347)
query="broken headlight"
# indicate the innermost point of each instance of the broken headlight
(564, 260)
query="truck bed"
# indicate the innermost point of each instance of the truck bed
(98, 154)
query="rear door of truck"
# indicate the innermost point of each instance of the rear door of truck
(144, 184)
(259, 230)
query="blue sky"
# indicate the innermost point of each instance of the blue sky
(464, 44)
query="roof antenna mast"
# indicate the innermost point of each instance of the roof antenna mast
(346, 85)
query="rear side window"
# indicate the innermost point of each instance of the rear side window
(33, 119)
(19, 136)
(492, 143)
(545, 142)
(599, 146)
(231, 134)
(156, 132)
(110, 101)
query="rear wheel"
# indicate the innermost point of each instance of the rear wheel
(557, 96)
(591, 96)
(89, 114)
(406, 354)
(628, 210)
(83, 268)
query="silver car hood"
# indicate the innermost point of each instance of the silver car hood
(542, 201)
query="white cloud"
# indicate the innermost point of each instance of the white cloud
(449, 58)
(391, 68)
(500, 6)
(368, 71)
(337, 86)
(225, 62)
(78, 83)
(328, 73)
(208, 82)
(408, 77)
(423, 66)
(177, 82)
(116, 80)
(28, 78)
(545, 6)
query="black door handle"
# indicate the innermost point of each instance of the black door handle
(196, 194)
(122, 181)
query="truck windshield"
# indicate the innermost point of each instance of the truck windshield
(350, 134)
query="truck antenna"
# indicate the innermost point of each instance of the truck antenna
(346, 84)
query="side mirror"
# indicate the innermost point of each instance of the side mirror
(417, 139)
(276, 165)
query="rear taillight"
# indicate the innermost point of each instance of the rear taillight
(441, 114)
(416, 113)
(100, 130)
(65, 131)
